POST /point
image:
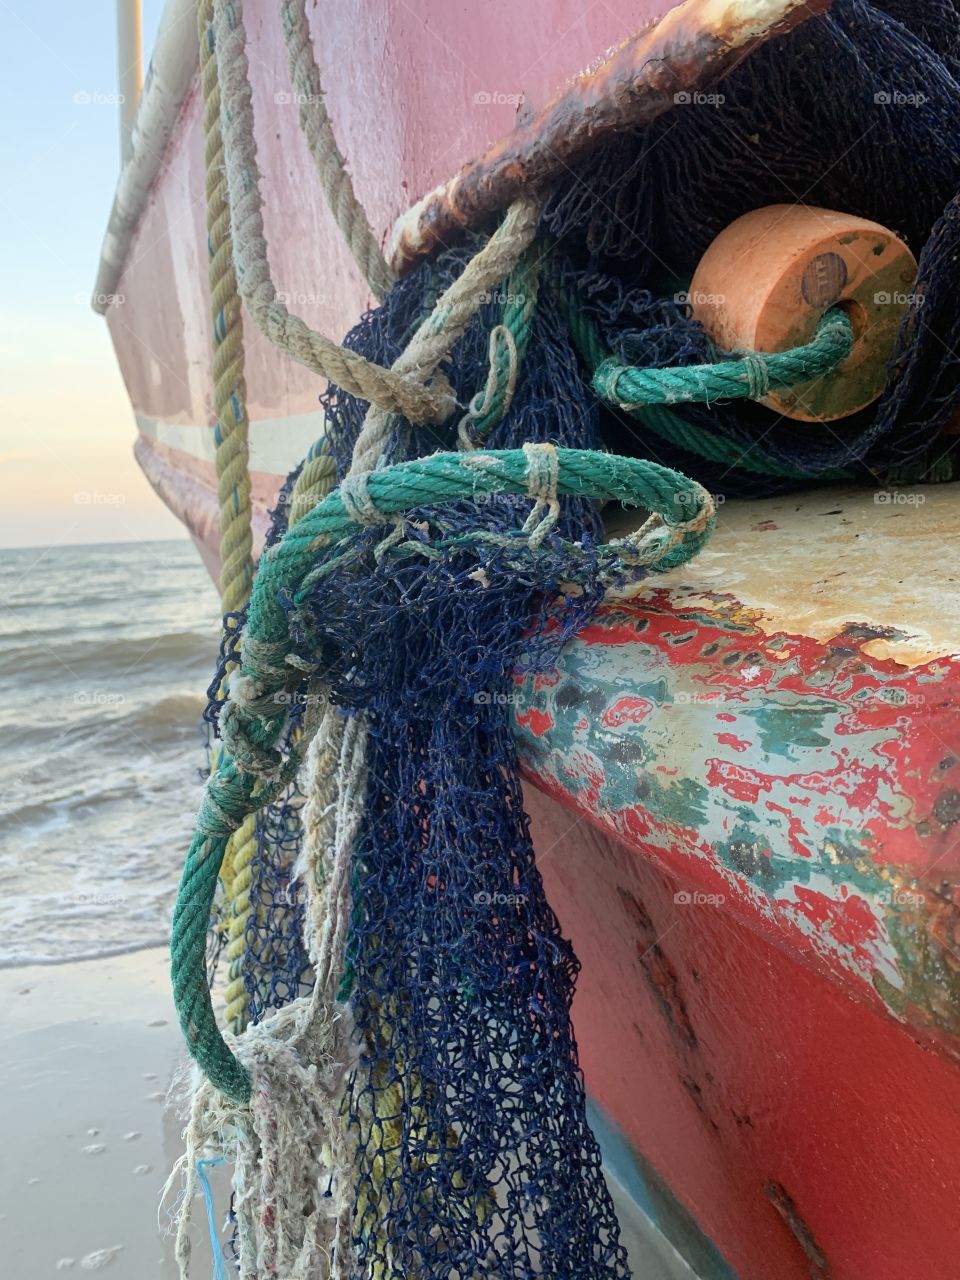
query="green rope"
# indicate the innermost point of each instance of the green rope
(751, 377)
(507, 349)
(251, 770)
(657, 417)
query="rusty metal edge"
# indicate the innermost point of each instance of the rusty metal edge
(687, 49)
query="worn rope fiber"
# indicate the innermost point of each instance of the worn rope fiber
(232, 460)
(384, 388)
(331, 166)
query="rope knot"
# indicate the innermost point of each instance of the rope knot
(605, 379)
(358, 502)
(756, 374)
(543, 476)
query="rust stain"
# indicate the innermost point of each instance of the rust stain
(777, 1194)
(689, 48)
(661, 976)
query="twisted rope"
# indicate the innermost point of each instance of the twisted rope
(668, 425)
(751, 377)
(233, 474)
(456, 307)
(252, 770)
(317, 477)
(389, 390)
(331, 166)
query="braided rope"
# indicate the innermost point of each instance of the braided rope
(233, 474)
(391, 391)
(252, 770)
(331, 166)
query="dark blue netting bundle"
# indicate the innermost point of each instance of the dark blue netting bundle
(856, 110)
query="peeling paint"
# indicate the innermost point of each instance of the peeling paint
(821, 785)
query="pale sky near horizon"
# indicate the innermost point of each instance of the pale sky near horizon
(66, 426)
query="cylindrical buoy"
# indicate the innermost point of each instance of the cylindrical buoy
(767, 279)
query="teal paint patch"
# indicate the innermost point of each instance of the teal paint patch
(781, 729)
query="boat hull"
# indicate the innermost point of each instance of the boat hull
(744, 786)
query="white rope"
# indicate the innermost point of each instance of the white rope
(331, 166)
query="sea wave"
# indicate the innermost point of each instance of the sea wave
(101, 745)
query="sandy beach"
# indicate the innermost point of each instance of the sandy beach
(88, 1054)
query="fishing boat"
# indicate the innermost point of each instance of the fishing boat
(743, 780)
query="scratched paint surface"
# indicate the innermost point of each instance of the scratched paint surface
(815, 786)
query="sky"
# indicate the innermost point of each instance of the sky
(66, 426)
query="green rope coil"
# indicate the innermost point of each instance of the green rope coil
(251, 770)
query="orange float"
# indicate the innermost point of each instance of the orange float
(767, 279)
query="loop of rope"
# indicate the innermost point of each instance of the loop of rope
(543, 475)
(668, 425)
(391, 391)
(497, 390)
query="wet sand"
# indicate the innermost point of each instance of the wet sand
(88, 1052)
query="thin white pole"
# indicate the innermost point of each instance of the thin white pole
(129, 69)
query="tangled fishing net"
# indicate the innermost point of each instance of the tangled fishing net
(443, 1115)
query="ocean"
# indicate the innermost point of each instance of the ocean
(105, 653)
